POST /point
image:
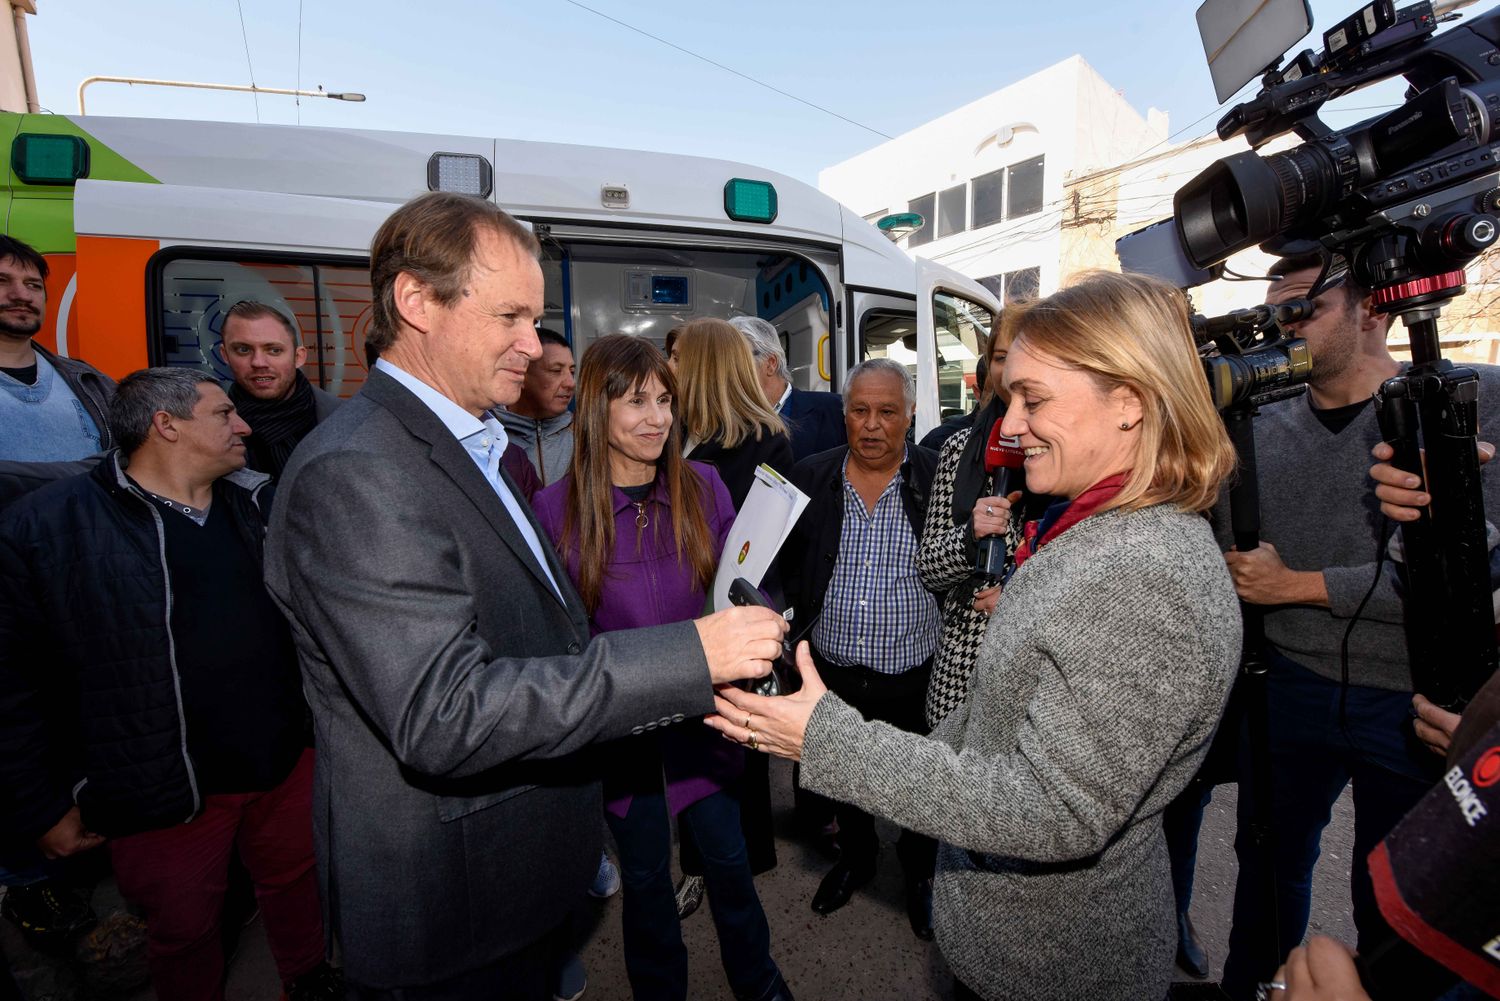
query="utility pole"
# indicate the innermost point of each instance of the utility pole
(17, 80)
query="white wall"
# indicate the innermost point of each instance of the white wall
(1066, 113)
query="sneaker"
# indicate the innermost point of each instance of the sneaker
(573, 980)
(689, 895)
(607, 880)
(321, 983)
(47, 913)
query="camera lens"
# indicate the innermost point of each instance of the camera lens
(1246, 199)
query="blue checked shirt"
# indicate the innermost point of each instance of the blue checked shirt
(876, 613)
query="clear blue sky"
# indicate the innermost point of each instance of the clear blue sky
(549, 70)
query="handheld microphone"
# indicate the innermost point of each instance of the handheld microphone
(1005, 462)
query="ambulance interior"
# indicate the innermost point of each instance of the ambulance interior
(592, 289)
(599, 289)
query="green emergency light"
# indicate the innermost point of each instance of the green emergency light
(749, 201)
(49, 159)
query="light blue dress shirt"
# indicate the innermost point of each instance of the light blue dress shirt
(485, 441)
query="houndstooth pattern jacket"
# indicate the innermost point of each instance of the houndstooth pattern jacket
(946, 563)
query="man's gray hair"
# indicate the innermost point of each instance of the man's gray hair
(141, 395)
(873, 365)
(765, 342)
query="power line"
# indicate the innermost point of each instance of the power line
(729, 69)
(246, 36)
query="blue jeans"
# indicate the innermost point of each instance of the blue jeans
(1180, 822)
(1314, 754)
(655, 957)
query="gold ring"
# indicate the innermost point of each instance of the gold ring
(752, 743)
(748, 717)
(989, 510)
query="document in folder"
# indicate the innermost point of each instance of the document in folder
(765, 520)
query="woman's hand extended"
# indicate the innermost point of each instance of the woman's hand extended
(773, 725)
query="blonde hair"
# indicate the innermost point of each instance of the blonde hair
(717, 388)
(1132, 331)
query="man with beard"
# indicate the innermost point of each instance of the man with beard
(1339, 685)
(52, 409)
(270, 392)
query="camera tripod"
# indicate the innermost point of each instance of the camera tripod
(1435, 405)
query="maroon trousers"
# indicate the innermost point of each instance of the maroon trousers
(178, 876)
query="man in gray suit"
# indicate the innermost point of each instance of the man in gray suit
(447, 659)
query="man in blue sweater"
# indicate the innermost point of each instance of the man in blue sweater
(52, 409)
(1340, 687)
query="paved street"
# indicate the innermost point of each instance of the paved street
(865, 951)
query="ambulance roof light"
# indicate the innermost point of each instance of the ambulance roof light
(464, 173)
(49, 159)
(750, 201)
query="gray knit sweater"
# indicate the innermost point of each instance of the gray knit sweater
(1318, 508)
(1098, 687)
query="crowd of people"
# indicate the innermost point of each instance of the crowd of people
(395, 663)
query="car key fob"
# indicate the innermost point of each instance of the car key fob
(784, 678)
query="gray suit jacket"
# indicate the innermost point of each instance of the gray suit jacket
(456, 808)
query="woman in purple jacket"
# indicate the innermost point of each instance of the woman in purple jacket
(640, 529)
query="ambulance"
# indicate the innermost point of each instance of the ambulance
(154, 228)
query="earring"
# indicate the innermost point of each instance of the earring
(1125, 425)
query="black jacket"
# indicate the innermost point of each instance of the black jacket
(807, 558)
(93, 388)
(815, 421)
(90, 706)
(939, 435)
(736, 466)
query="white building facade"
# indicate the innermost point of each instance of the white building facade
(991, 177)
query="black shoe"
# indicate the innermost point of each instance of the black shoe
(48, 913)
(778, 991)
(839, 885)
(919, 907)
(321, 983)
(689, 896)
(1190, 954)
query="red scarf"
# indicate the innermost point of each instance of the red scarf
(1065, 514)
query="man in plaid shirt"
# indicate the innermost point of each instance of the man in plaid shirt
(851, 565)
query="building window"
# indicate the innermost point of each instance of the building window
(951, 209)
(1023, 284)
(989, 198)
(1025, 184)
(1014, 286)
(923, 207)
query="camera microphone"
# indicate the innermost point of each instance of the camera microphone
(1005, 462)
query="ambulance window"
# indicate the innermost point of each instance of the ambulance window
(962, 328)
(890, 335)
(329, 302)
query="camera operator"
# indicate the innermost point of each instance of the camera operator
(1339, 686)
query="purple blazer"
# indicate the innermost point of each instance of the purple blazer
(647, 586)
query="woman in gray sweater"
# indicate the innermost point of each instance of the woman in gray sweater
(1100, 680)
